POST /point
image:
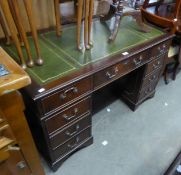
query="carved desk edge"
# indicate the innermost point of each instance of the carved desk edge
(90, 69)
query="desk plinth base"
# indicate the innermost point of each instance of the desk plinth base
(134, 105)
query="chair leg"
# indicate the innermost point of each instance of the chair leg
(9, 19)
(86, 24)
(91, 8)
(4, 28)
(29, 11)
(79, 19)
(57, 17)
(175, 70)
(15, 18)
(21, 29)
(166, 75)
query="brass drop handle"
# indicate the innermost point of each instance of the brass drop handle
(68, 118)
(21, 165)
(13, 148)
(149, 90)
(156, 65)
(138, 61)
(110, 76)
(74, 132)
(72, 89)
(153, 78)
(4, 127)
(162, 50)
(75, 144)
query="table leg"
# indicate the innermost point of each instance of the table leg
(21, 30)
(29, 10)
(57, 17)
(5, 8)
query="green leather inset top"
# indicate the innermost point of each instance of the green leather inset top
(62, 57)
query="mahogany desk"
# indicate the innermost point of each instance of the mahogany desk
(59, 100)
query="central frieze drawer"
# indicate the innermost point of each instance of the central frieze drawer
(107, 75)
(67, 116)
(65, 95)
(72, 144)
(62, 136)
(160, 49)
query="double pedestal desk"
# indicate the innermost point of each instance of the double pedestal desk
(59, 109)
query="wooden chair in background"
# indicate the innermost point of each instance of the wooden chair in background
(84, 10)
(167, 15)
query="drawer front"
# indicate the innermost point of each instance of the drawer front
(151, 78)
(154, 65)
(67, 116)
(14, 164)
(160, 49)
(66, 95)
(147, 90)
(72, 144)
(70, 131)
(114, 72)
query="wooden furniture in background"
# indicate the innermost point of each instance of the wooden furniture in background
(9, 19)
(166, 15)
(18, 22)
(18, 154)
(117, 11)
(4, 28)
(29, 11)
(84, 11)
(13, 18)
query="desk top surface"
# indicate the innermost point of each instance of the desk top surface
(62, 59)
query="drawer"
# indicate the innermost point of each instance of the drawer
(72, 144)
(154, 65)
(70, 131)
(67, 116)
(147, 90)
(5, 131)
(66, 95)
(160, 49)
(105, 76)
(14, 163)
(151, 78)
